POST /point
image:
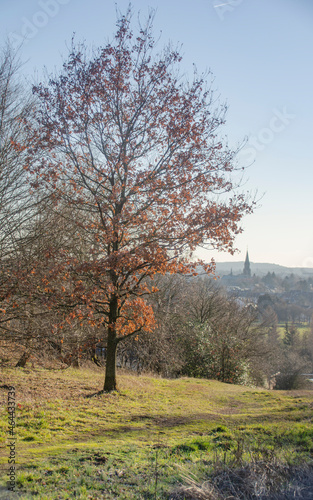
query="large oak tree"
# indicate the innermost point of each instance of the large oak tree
(136, 152)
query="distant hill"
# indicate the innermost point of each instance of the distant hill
(261, 269)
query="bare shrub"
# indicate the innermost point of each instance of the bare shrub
(257, 480)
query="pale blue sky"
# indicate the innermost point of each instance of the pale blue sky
(260, 52)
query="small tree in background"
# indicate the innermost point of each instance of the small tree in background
(19, 208)
(125, 141)
(290, 334)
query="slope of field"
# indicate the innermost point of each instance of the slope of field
(143, 441)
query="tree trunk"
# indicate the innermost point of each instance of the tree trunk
(75, 356)
(110, 367)
(23, 360)
(75, 361)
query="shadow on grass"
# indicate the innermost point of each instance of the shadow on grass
(95, 394)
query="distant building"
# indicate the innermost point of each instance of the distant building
(247, 269)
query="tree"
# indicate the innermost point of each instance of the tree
(290, 335)
(222, 339)
(135, 149)
(205, 300)
(18, 207)
(16, 203)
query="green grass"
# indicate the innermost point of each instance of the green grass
(139, 442)
(302, 329)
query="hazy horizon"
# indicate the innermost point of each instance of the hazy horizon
(252, 262)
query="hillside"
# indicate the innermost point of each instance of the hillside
(145, 441)
(261, 269)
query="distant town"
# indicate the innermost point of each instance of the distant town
(287, 291)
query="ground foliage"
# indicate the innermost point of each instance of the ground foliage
(153, 436)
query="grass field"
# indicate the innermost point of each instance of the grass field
(146, 440)
(302, 329)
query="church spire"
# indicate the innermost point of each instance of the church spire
(247, 269)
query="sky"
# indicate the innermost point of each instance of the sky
(260, 53)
